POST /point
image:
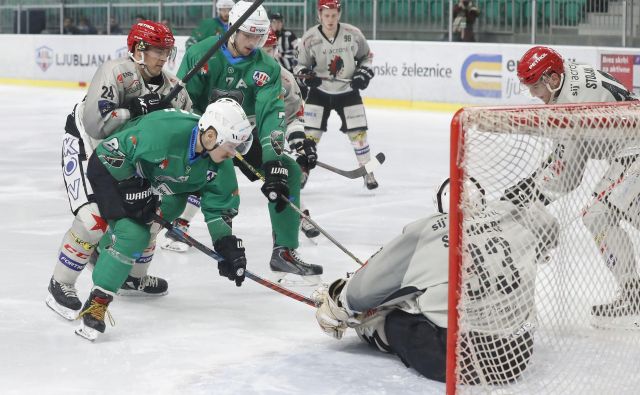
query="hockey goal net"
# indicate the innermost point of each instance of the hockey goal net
(546, 295)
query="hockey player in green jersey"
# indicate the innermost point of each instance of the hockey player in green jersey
(172, 153)
(243, 72)
(210, 27)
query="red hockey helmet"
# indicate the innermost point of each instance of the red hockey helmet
(150, 33)
(539, 61)
(328, 5)
(272, 39)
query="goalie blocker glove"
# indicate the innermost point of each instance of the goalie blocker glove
(275, 184)
(234, 263)
(361, 78)
(147, 103)
(306, 149)
(309, 78)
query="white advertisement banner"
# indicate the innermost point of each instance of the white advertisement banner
(468, 73)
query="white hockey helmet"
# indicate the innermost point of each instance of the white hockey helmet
(258, 23)
(229, 120)
(473, 197)
(224, 4)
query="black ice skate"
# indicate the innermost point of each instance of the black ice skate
(145, 286)
(623, 312)
(370, 181)
(285, 261)
(307, 228)
(174, 243)
(92, 314)
(63, 299)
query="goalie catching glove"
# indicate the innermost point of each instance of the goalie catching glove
(234, 263)
(147, 103)
(305, 148)
(361, 78)
(275, 184)
(333, 318)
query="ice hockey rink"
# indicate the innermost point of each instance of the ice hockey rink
(206, 336)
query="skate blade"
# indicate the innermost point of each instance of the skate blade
(137, 293)
(627, 323)
(294, 280)
(64, 312)
(87, 333)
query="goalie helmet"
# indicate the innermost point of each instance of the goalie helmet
(229, 120)
(473, 196)
(537, 62)
(224, 4)
(329, 5)
(257, 23)
(145, 33)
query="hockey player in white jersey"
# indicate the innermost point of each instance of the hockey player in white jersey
(295, 137)
(334, 62)
(121, 89)
(555, 81)
(398, 302)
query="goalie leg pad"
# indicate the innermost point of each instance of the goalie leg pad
(418, 342)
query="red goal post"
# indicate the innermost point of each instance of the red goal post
(499, 146)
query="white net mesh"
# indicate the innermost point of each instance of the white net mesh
(536, 260)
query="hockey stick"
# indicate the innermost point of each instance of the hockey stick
(205, 58)
(302, 214)
(306, 77)
(356, 173)
(262, 281)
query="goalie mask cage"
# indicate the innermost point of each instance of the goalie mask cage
(562, 352)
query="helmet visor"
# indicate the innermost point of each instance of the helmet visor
(241, 148)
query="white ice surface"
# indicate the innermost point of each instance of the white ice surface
(206, 336)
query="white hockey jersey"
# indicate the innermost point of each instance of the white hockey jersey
(563, 170)
(112, 88)
(412, 272)
(293, 103)
(337, 58)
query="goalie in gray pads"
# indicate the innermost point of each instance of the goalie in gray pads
(397, 302)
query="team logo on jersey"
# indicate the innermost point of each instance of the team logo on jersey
(105, 107)
(260, 78)
(44, 57)
(164, 164)
(336, 65)
(211, 175)
(134, 140)
(204, 69)
(111, 145)
(115, 162)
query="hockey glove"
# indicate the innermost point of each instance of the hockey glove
(138, 200)
(524, 192)
(361, 78)
(306, 149)
(275, 184)
(235, 262)
(145, 104)
(332, 317)
(309, 78)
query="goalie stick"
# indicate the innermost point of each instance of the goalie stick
(262, 281)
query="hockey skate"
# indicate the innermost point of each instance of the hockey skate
(93, 313)
(285, 261)
(623, 312)
(63, 299)
(370, 181)
(145, 286)
(173, 243)
(307, 227)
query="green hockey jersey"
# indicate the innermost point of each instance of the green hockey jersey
(208, 27)
(254, 81)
